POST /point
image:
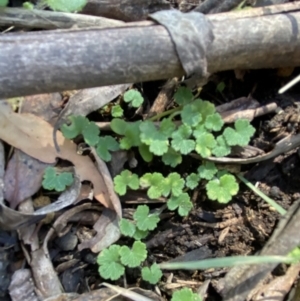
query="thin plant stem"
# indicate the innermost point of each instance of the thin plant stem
(166, 113)
(270, 201)
(173, 115)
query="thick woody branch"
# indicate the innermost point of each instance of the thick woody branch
(39, 62)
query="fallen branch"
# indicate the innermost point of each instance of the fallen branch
(36, 62)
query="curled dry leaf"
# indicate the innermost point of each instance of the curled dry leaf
(33, 136)
(108, 232)
(60, 225)
(23, 175)
(11, 219)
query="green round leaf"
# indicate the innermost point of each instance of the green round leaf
(135, 256)
(66, 5)
(192, 180)
(56, 181)
(182, 203)
(144, 220)
(171, 157)
(119, 126)
(185, 294)
(3, 3)
(152, 274)
(91, 134)
(117, 111)
(134, 97)
(78, 124)
(145, 153)
(204, 144)
(126, 178)
(127, 228)
(109, 263)
(183, 96)
(222, 189)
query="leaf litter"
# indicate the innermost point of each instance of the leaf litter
(33, 136)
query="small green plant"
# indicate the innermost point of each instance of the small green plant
(143, 221)
(58, 181)
(109, 261)
(185, 294)
(222, 188)
(113, 260)
(220, 87)
(3, 3)
(80, 125)
(201, 130)
(133, 97)
(152, 274)
(126, 178)
(117, 111)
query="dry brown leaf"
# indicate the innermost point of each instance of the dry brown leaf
(24, 174)
(23, 177)
(108, 232)
(33, 136)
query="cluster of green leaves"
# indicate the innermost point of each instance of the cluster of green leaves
(202, 130)
(171, 186)
(80, 125)
(58, 181)
(133, 97)
(196, 133)
(113, 260)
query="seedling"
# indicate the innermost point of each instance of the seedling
(181, 202)
(109, 261)
(240, 135)
(133, 97)
(112, 261)
(222, 188)
(220, 87)
(144, 220)
(117, 111)
(126, 178)
(54, 180)
(185, 294)
(152, 274)
(135, 256)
